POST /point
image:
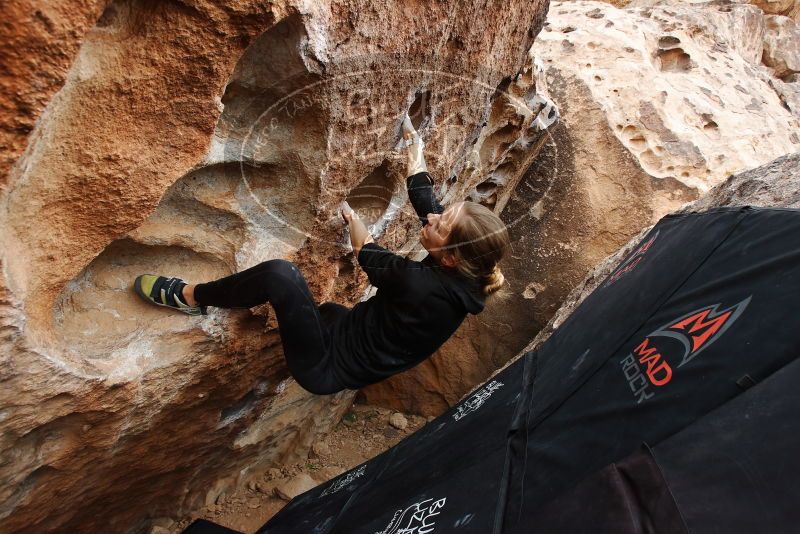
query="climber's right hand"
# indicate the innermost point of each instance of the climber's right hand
(414, 146)
(347, 212)
(408, 127)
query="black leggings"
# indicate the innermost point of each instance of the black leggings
(304, 328)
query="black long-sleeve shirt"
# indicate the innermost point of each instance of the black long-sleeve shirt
(418, 306)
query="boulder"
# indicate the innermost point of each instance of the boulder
(782, 46)
(652, 102)
(295, 486)
(197, 141)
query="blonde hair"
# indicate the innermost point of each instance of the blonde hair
(479, 240)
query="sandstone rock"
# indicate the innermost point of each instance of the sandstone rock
(319, 449)
(776, 184)
(159, 153)
(790, 8)
(295, 486)
(517, 129)
(702, 85)
(782, 45)
(39, 42)
(789, 93)
(398, 421)
(273, 473)
(624, 154)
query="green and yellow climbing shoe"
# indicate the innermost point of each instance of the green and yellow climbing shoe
(164, 291)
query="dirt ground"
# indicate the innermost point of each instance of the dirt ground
(363, 433)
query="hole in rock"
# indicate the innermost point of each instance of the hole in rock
(638, 142)
(498, 142)
(485, 188)
(674, 60)
(668, 41)
(99, 316)
(502, 87)
(109, 17)
(344, 267)
(484, 193)
(372, 196)
(631, 132)
(420, 108)
(455, 44)
(272, 65)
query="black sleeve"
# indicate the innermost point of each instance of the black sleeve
(385, 269)
(420, 192)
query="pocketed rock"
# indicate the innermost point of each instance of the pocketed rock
(295, 486)
(704, 81)
(198, 141)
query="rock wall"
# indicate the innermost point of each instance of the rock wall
(658, 104)
(789, 8)
(197, 139)
(581, 197)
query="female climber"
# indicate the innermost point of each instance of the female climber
(418, 305)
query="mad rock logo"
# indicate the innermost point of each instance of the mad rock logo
(419, 518)
(632, 261)
(652, 362)
(476, 400)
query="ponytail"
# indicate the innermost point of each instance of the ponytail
(478, 242)
(493, 281)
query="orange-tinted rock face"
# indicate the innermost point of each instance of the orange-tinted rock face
(197, 139)
(39, 42)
